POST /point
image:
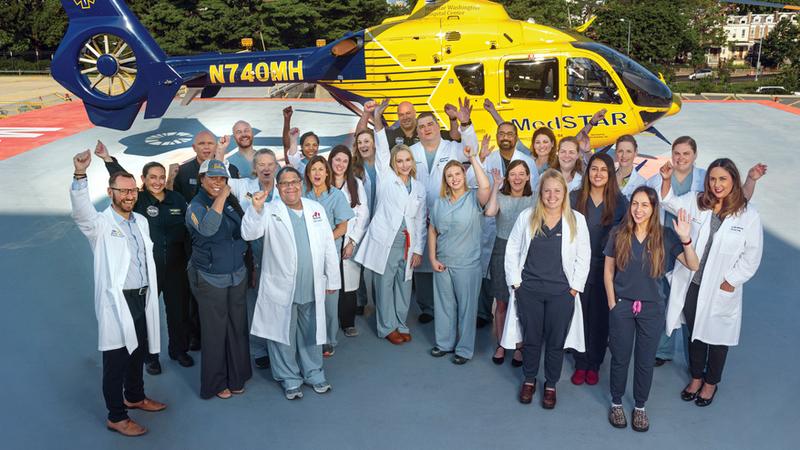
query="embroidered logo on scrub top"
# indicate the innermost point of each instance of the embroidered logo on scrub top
(152, 211)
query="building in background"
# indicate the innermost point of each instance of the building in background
(743, 32)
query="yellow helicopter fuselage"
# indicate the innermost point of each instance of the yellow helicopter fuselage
(536, 76)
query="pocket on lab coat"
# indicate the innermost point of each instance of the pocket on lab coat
(726, 304)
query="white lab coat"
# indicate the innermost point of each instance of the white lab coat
(111, 259)
(576, 182)
(356, 227)
(634, 181)
(394, 204)
(489, 233)
(447, 151)
(734, 256)
(240, 187)
(575, 256)
(272, 316)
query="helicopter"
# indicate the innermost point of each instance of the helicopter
(535, 75)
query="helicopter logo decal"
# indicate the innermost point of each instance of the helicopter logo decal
(84, 4)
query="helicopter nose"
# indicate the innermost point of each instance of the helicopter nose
(675, 107)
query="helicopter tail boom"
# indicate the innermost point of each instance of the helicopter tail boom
(109, 60)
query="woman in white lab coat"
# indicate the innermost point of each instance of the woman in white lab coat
(625, 152)
(393, 244)
(727, 233)
(300, 265)
(353, 189)
(547, 263)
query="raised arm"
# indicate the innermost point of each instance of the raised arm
(253, 223)
(112, 165)
(382, 151)
(585, 143)
(493, 207)
(468, 137)
(484, 186)
(83, 212)
(366, 113)
(753, 175)
(450, 110)
(683, 228)
(489, 107)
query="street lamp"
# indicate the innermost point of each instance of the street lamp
(758, 60)
(629, 34)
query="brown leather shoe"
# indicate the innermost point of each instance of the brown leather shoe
(146, 405)
(126, 427)
(526, 393)
(406, 336)
(549, 398)
(395, 338)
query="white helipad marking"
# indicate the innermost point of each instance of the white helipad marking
(24, 132)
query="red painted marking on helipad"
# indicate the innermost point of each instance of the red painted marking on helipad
(70, 118)
(769, 103)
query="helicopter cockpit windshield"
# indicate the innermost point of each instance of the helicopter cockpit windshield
(644, 88)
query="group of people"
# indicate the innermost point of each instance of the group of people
(571, 249)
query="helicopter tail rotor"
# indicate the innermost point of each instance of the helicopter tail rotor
(108, 59)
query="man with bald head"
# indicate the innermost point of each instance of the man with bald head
(204, 145)
(242, 158)
(405, 130)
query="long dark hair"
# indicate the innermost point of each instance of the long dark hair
(610, 190)
(734, 202)
(357, 161)
(625, 233)
(349, 179)
(506, 189)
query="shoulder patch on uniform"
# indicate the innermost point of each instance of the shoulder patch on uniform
(194, 219)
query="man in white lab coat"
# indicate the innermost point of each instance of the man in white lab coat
(299, 266)
(125, 292)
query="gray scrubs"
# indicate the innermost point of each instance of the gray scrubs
(392, 292)
(509, 209)
(455, 290)
(338, 210)
(301, 360)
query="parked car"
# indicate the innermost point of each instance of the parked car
(701, 73)
(775, 90)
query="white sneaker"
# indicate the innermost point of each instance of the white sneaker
(293, 394)
(321, 388)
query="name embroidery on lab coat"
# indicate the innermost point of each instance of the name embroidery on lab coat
(316, 217)
(737, 229)
(115, 233)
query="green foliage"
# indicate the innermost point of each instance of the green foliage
(781, 45)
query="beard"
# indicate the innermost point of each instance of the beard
(123, 205)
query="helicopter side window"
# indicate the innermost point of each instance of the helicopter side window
(471, 78)
(537, 79)
(588, 82)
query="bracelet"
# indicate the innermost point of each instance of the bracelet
(687, 243)
(592, 123)
(79, 176)
(466, 124)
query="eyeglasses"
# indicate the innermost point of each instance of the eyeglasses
(125, 191)
(293, 183)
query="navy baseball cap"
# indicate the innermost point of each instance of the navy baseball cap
(214, 168)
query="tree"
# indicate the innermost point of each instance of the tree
(782, 45)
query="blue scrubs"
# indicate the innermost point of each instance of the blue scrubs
(338, 210)
(301, 360)
(455, 290)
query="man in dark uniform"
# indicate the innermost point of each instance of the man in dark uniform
(404, 131)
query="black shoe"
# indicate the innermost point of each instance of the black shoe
(480, 322)
(700, 401)
(183, 359)
(436, 352)
(516, 362)
(425, 318)
(689, 396)
(459, 360)
(660, 362)
(359, 310)
(499, 360)
(262, 362)
(194, 344)
(153, 367)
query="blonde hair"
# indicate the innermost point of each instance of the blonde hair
(537, 216)
(445, 191)
(403, 148)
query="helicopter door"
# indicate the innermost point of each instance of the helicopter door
(529, 92)
(590, 88)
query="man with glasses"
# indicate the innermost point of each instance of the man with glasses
(125, 292)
